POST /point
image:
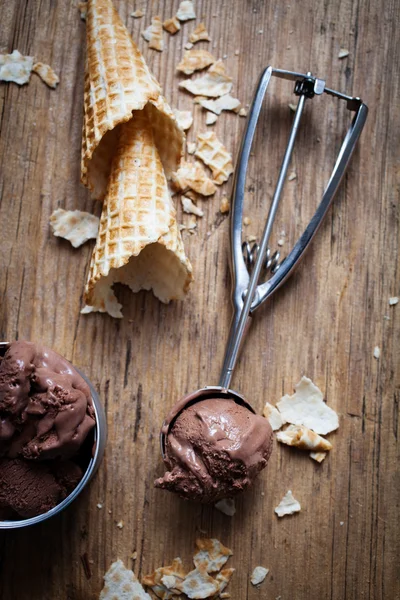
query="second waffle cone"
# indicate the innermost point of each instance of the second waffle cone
(138, 214)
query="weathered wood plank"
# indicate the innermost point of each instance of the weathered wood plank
(324, 323)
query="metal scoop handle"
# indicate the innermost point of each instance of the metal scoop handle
(247, 296)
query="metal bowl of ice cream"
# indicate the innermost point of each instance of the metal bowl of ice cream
(86, 448)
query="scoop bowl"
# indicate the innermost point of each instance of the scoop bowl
(201, 394)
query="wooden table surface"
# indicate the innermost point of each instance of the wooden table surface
(324, 323)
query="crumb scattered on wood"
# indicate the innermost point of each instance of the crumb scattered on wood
(46, 74)
(186, 11)
(224, 206)
(258, 575)
(200, 33)
(172, 25)
(211, 118)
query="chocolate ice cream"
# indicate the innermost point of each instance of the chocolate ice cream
(215, 449)
(45, 406)
(46, 413)
(30, 488)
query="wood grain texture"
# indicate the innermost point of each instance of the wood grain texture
(324, 323)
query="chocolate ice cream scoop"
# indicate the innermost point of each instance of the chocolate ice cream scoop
(30, 488)
(214, 449)
(46, 408)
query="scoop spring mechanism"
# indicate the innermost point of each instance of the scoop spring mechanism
(271, 262)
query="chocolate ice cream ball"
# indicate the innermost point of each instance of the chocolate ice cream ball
(45, 405)
(30, 488)
(214, 449)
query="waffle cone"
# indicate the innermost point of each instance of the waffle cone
(118, 82)
(138, 241)
(131, 143)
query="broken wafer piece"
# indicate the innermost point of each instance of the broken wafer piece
(223, 578)
(15, 67)
(195, 60)
(46, 74)
(166, 581)
(75, 226)
(193, 176)
(288, 505)
(318, 456)
(137, 14)
(172, 25)
(226, 102)
(211, 555)
(198, 584)
(211, 118)
(191, 224)
(186, 11)
(191, 208)
(274, 416)
(213, 84)
(224, 206)
(303, 438)
(258, 575)
(153, 34)
(169, 581)
(121, 583)
(214, 154)
(199, 34)
(307, 407)
(184, 118)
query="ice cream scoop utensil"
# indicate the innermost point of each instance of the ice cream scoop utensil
(247, 294)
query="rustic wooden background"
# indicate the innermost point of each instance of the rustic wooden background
(325, 323)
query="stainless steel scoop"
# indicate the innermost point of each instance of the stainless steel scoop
(247, 294)
(99, 437)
